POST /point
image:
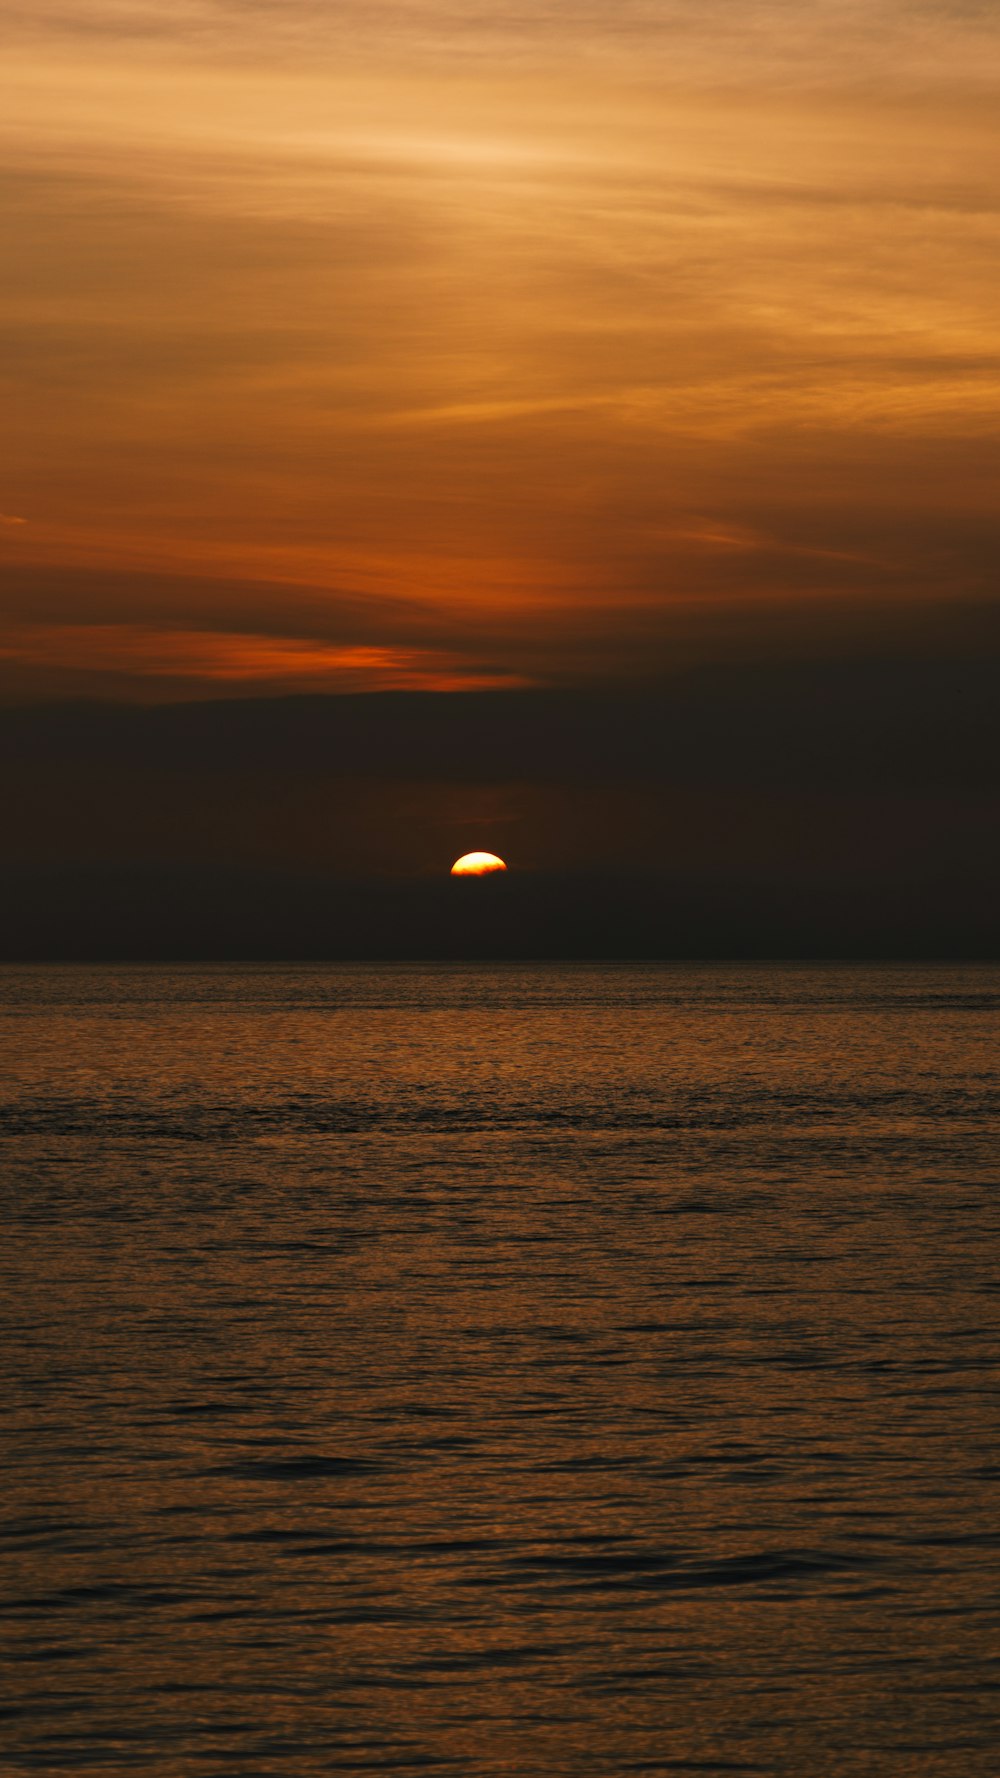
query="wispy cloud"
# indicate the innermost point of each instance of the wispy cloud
(829, 41)
(206, 662)
(701, 305)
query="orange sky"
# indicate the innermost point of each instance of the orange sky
(399, 344)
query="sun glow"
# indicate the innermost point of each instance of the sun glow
(477, 864)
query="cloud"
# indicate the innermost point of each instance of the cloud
(495, 356)
(829, 42)
(167, 637)
(141, 660)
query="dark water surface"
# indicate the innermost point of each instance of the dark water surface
(583, 1370)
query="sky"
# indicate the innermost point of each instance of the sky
(627, 371)
(419, 345)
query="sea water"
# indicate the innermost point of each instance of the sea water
(522, 1370)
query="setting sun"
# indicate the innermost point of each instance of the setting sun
(477, 864)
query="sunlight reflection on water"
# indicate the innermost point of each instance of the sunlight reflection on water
(539, 1370)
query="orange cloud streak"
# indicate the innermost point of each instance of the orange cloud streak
(221, 659)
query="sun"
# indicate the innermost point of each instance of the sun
(477, 864)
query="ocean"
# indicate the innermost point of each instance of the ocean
(570, 1369)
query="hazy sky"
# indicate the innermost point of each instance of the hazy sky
(374, 343)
